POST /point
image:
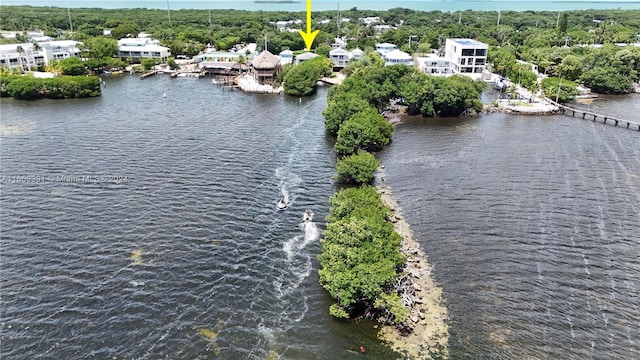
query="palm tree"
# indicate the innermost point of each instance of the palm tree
(21, 52)
(36, 48)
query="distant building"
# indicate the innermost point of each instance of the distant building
(356, 54)
(467, 56)
(396, 57)
(286, 57)
(266, 67)
(142, 48)
(384, 48)
(31, 56)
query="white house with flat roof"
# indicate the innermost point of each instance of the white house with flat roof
(435, 65)
(27, 56)
(141, 48)
(468, 56)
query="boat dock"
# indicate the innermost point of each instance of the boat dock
(595, 116)
(147, 74)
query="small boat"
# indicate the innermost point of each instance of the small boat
(281, 205)
(308, 215)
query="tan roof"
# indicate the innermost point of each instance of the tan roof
(265, 60)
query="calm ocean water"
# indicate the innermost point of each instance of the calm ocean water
(149, 229)
(321, 5)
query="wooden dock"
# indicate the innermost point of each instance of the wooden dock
(595, 116)
(147, 74)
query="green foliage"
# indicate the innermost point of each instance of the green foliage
(360, 256)
(607, 81)
(366, 130)
(563, 90)
(126, 29)
(148, 63)
(171, 62)
(570, 67)
(72, 66)
(340, 109)
(358, 168)
(323, 50)
(101, 47)
(30, 88)
(393, 307)
(301, 79)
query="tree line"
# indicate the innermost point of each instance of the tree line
(539, 37)
(361, 258)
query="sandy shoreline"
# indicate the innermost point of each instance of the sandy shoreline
(428, 315)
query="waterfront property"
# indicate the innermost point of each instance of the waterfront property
(26, 56)
(221, 62)
(265, 67)
(468, 57)
(435, 65)
(142, 48)
(396, 57)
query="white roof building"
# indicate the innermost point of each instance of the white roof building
(356, 53)
(139, 48)
(384, 48)
(435, 65)
(29, 57)
(396, 57)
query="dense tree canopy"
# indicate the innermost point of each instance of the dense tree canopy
(301, 79)
(360, 258)
(357, 169)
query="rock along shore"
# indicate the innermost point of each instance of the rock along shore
(429, 332)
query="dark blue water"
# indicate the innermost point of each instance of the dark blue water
(148, 226)
(532, 225)
(137, 226)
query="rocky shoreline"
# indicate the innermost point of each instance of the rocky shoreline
(425, 334)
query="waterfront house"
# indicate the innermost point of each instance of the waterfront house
(266, 67)
(142, 48)
(305, 56)
(26, 56)
(396, 57)
(435, 65)
(220, 61)
(384, 48)
(468, 57)
(340, 57)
